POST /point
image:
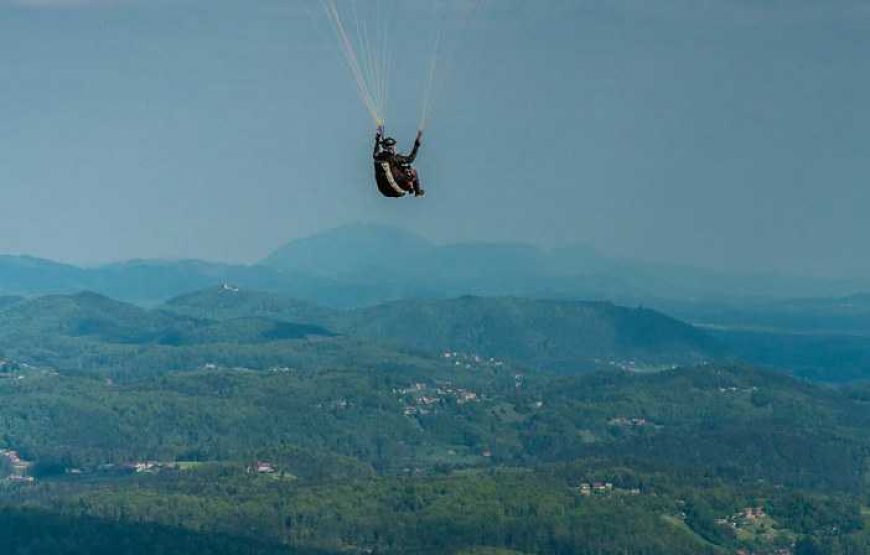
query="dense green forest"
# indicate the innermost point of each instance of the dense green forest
(240, 422)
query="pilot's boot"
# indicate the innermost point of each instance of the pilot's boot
(415, 182)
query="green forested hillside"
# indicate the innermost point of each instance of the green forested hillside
(576, 335)
(25, 532)
(88, 315)
(240, 422)
(819, 356)
(558, 334)
(94, 334)
(98, 318)
(555, 334)
(229, 302)
(406, 459)
(746, 423)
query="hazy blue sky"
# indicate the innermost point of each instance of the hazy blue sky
(729, 134)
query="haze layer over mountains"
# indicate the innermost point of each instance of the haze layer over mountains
(363, 264)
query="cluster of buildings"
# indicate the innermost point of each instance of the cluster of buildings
(420, 398)
(216, 366)
(734, 389)
(149, 467)
(636, 366)
(143, 467)
(19, 467)
(133, 467)
(629, 422)
(261, 467)
(587, 489)
(599, 488)
(471, 361)
(747, 515)
(335, 404)
(9, 369)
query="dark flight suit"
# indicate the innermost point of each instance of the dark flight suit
(393, 172)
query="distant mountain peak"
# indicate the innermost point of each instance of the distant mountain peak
(365, 232)
(350, 250)
(90, 296)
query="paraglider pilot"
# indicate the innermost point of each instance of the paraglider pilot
(394, 172)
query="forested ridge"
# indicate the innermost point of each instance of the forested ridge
(232, 439)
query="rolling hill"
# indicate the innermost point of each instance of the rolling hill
(554, 334)
(372, 440)
(227, 302)
(101, 319)
(369, 459)
(558, 334)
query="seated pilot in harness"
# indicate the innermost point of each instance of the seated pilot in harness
(394, 172)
